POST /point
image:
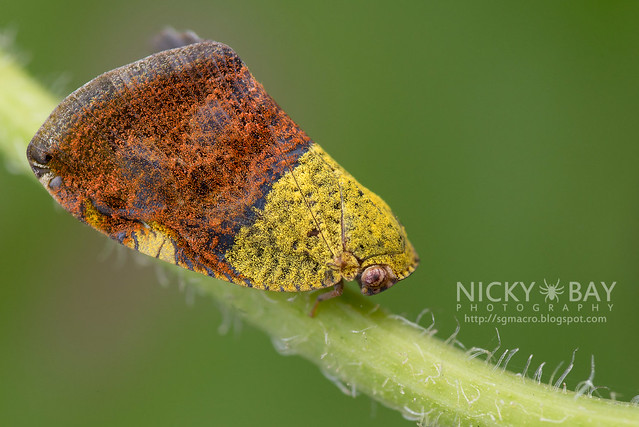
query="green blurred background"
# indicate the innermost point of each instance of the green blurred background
(503, 134)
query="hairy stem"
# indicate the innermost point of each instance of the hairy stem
(357, 344)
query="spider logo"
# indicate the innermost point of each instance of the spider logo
(552, 292)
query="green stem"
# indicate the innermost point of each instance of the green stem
(24, 105)
(359, 345)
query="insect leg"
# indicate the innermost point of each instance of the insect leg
(169, 38)
(335, 292)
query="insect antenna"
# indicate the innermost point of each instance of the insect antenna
(401, 251)
(308, 206)
(341, 220)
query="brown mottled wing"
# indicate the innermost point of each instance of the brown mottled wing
(182, 140)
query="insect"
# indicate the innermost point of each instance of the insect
(183, 156)
(552, 292)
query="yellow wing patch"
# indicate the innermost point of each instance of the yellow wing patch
(151, 239)
(289, 245)
(153, 242)
(315, 215)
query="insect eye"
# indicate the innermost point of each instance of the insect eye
(373, 276)
(376, 278)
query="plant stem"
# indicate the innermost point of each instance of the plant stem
(24, 105)
(359, 345)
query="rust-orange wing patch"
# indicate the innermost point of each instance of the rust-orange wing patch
(185, 138)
